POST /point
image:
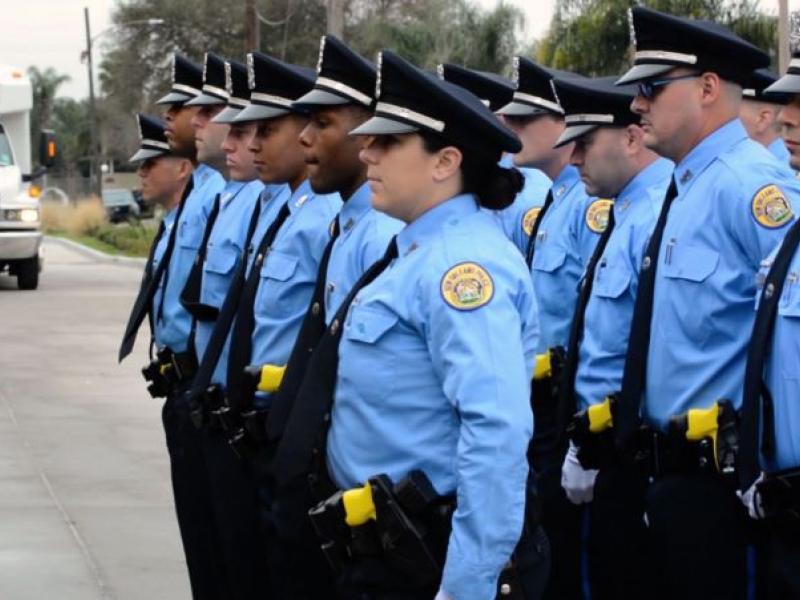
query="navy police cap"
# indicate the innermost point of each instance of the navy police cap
(238, 92)
(187, 79)
(412, 100)
(493, 90)
(755, 88)
(534, 93)
(274, 85)
(343, 77)
(213, 92)
(790, 82)
(664, 42)
(592, 103)
(152, 138)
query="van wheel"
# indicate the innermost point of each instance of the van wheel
(28, 274)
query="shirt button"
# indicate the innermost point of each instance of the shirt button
(769, 290)
(315, 309)
(646, 263)
(334, 326)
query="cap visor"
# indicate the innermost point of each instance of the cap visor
(318, 97)
(520, 109)
(174, 98)
(640, 72)
(145, 153)
(205, 100)
(788, 84)
(226, 115)
(260, 112)
(383, 126)
(573, 132)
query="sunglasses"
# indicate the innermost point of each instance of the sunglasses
(651, 88)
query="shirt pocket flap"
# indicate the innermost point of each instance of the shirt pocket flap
(789, 307)
(611, 282)
(220, 260)
(549, 259)
(279, 266)
(190, 233)
(692, 263)
(368, 323)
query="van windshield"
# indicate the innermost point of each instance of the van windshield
(6, 158)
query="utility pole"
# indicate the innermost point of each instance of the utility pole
(336, 18)
(252, 27)
(783, 35)
(95, 174)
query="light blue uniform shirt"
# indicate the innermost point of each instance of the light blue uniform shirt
(607, 320)
(364, 234)
(564, 244)
(782, 371)
(727, 216)
(226, 245)
(289, 273)
(517, 219)
(172, 329)
(779, 150)
(439, 381)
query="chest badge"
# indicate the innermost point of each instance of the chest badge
(529, 219)
(770, 207)
(467, 286)
(597, 215)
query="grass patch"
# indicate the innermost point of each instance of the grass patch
(85, 222)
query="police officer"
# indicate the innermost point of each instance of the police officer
(609, 152)
(728, 204)
(220, 264)
(340, 101)
(449, 283)
(789, 116)
(171, 330)
(562, 240)
(289, 243)
(768, 457)
(759, 113)
(496, 92)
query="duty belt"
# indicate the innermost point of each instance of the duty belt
(169, 371)
(701, 440)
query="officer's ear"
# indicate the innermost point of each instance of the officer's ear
(634, 139)
(184, 169)
(447, 163)
(712, 88)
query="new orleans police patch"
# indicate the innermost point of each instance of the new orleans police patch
(597, 215)
(529, 219)
(771, 208)
(467, 286)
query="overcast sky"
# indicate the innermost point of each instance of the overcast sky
(50, 33)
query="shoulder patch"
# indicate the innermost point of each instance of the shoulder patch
(597, 215)
(770, 207)
(467, 286)
(529, 219)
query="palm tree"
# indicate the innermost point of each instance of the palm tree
(45, 87)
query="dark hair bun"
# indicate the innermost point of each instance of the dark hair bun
(499, 187)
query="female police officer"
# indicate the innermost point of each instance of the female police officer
(436, 353)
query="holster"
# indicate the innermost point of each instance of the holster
(780, 496)
(545, 393)
(251, 436)
(169, 371)
(407, 525)
(591, 431)
(203, 408)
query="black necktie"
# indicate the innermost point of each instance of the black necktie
(219, 334)
(190, 295)
(566, 403)
(143, 304)
(241, 336)
(535, 229)
(754, 388)
(626, 419)
(310, 333)
(305, 427)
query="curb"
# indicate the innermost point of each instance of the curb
(128, 261)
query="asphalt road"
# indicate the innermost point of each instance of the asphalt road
(85, 502)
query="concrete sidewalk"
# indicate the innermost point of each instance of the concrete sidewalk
(85, 502)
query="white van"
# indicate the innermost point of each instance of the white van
(20, 227)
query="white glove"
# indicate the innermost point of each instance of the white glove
(442, 595)
(752, 499)
(577, 482)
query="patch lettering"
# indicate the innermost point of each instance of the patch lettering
(597, 215)
(770, 207)
(467, 286)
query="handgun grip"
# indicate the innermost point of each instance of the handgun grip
(358, 505)
(543, 368)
